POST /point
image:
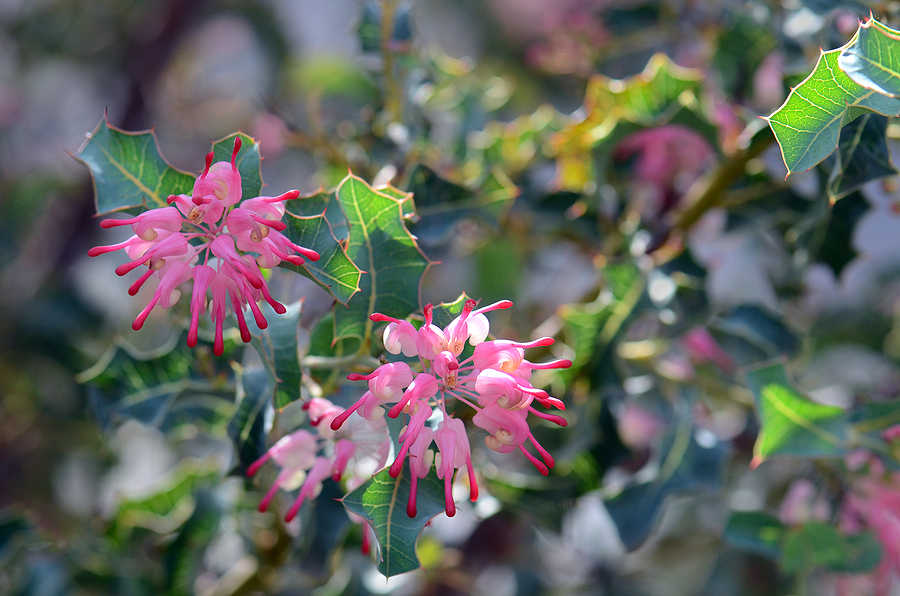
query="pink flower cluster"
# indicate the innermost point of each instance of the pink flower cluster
(206, 238)
(493, 381)
(874, 504)
(354, 452)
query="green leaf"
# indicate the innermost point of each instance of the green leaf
(183, 557)
(382, 501)
(647, 99)
(247, 162)
(755, 531)
(863, 155)
(128, 170)
(441, 204)
(818, 544)
(686, 466)
(791, 424)
(837, 248)
(280, 348)
(334, 270)
(807, 126)
(166, 510)
(247, 428)
(591, 327)
(872, 58)
(170, 387)
(445, 312)
(876, 416)
(382, 246)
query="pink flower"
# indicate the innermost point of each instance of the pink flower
(207, 239)
(874, 504)
(702, 347)
(494, 381)
(358, 449)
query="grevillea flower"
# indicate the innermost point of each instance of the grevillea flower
(493, 380)
(207, 238)
(354, 452)
(873, 504)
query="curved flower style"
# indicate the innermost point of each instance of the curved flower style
(207, 238)
(493, 381)
(306, 459)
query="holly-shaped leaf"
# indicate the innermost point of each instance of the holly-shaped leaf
(382, 500)
(280, 348)
(808, 125)
(247, 427)
(791, 424)
(128, 170)
(382, 246)
(442, 204)
(317, 222)
(863, 155)
(872, 58)
(170, 387)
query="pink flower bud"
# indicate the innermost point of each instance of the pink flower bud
(312, 486)
(151, 224)
(400, 336)
(453, 444)
(420, 460)
(167, 292)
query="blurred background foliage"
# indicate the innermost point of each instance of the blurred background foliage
(599, 162)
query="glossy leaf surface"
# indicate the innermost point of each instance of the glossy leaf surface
(808, 125)
(791, 424)
(128, 170)
(382, 500)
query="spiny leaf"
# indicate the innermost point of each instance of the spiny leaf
(807, 126)
(128, 170)
(323, 233)
(863, 155)
(382, 246)
(442, 204)
(382, 501)
(170, 387)
(280, 348)
(247, 428)
(791, 424)
(445, 312)
(872, 58)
